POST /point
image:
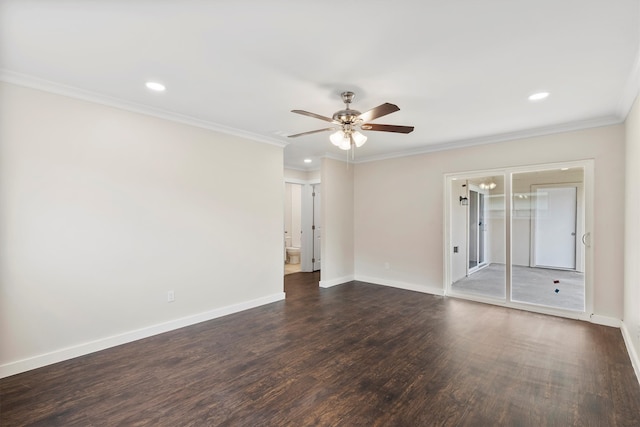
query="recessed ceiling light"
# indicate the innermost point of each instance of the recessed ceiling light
(538, 96)
(564, 169)
(307, 160)
(158, 87)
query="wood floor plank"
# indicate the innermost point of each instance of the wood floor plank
(355, 354)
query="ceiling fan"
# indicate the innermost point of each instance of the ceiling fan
(348, 122)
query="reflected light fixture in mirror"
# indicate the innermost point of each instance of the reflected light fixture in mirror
(487, 185)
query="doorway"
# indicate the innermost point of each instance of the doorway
(302, 226)
(292, 228)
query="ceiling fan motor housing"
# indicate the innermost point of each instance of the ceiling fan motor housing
(346, 116)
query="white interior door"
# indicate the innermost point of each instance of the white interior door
(555, 227)
(473, 230)
(477, 242)
(316, 227)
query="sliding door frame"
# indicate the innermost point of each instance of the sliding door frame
(588, 238)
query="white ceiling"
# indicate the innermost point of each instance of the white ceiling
(460, 70)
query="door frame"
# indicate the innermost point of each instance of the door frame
(316, 226)
(306, 240)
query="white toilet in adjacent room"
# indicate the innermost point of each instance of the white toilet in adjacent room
(293, 253)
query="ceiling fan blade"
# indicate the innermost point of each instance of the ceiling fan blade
(379, 111)
(387, 128)
(310, 132)
(317, 116)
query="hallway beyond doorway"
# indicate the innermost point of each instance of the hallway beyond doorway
(292, 268)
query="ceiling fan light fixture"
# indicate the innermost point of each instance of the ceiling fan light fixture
(345, 144)
(359, 138)
(336, 138)
(341, 140)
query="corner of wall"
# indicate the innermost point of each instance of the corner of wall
(633, 354)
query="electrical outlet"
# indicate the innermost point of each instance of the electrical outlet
(171, 297)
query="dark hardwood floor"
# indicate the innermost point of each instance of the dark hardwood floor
(352, 355)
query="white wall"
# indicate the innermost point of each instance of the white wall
(337, 250)
(398, 222)
(104, 211)
(399, 212)
(631, 320)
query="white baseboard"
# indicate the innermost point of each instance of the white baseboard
(334, 282)
(401, 285)
(60, 355)
(605, 321)
(633, 354)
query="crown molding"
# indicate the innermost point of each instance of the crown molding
(492, 139)
(85, 95)
(315, 167)
(295, 168)
(632, 87)
(299, 169)
(341, 157)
